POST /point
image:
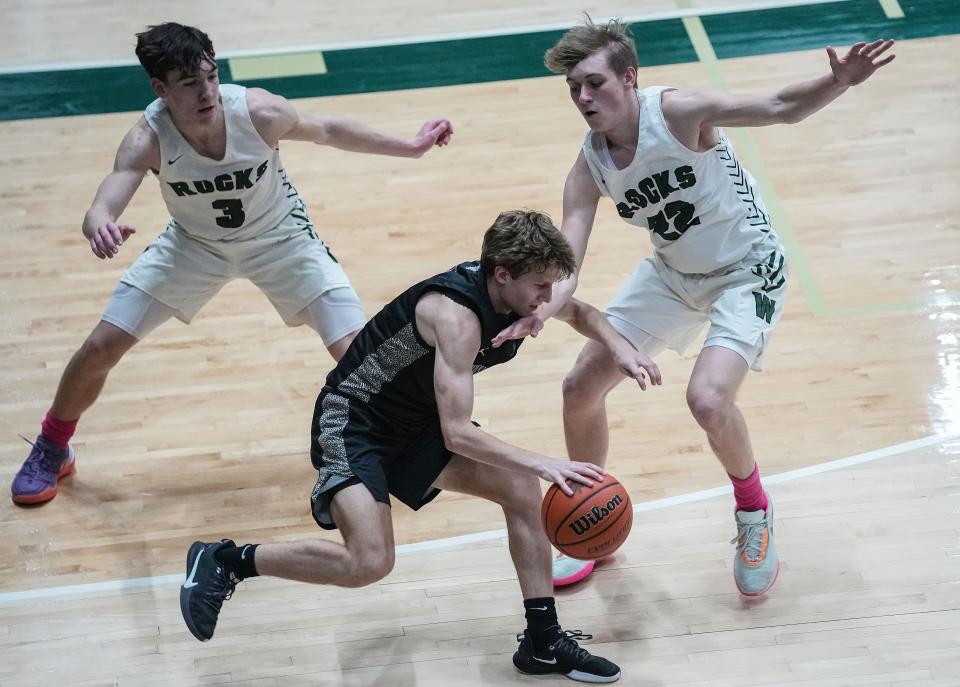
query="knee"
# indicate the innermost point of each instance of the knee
(372, 565)
(709, 405)
(522, 495)
(101, 351)
(580, 389)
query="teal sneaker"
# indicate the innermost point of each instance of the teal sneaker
(568, 570)
(757, 564)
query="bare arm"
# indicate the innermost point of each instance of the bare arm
(689, 112)
(138, 152)
(580, 199)
(593, 324)
(276, 119)
(455, 332)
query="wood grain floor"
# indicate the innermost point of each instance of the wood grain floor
(202, 431)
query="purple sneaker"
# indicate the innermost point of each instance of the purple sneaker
(46, 465)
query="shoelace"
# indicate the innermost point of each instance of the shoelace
(566, 644)
(41, 466)
(748, 539)
(221, 588)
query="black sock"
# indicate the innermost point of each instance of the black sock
(542, 623)
(240, 559)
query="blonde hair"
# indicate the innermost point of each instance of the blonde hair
(580, 42)
(526, 241)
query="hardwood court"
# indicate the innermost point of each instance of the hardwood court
(202, 431)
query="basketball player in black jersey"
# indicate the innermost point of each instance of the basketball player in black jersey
(394, 418)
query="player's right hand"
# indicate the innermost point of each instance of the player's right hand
(106, 242)
(632, 363)
(560, 471)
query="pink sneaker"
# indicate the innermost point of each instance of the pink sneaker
(568, 570)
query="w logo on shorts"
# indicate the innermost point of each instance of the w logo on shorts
(772, 275)
(765, 306)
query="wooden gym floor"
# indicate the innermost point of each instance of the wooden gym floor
(202, 431)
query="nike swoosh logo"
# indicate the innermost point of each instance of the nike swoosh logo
(538, 608)
(243, 554)
(543, 660)
(170, 162)
(189, 581)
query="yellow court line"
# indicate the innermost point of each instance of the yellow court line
(701, 43)
(277, 66)
(799, 264)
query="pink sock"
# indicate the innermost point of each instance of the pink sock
(749, 492)
(58, 431)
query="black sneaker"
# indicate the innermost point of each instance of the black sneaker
(207, 586)
(566, 657)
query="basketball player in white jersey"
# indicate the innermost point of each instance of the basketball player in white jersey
(660, 155)
(235, 213)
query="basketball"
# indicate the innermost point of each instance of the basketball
(592, 523)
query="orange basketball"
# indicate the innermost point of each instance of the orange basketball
(592, 523)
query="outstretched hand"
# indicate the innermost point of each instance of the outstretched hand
(434, 132)
(525, 326)
(860, 62)
(634, 363)
(106, 242)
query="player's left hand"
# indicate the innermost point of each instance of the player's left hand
(525, 326)
(562, 472)
(860, 62)
(633, 363)
(434, 132)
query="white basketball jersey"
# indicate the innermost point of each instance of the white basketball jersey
(703, 209)
(236, 198)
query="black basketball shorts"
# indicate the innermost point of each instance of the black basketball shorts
(348, 447)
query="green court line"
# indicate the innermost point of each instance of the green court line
(277, 66)
(707, 39)
(97, 90)
(812, 27)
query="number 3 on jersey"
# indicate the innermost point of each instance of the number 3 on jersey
(232, 209)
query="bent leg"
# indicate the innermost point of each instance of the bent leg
(711, 395)
(519, 496)
(87, 371)
(130, 315)
(585, 391)
(544, 647)
(366, 555)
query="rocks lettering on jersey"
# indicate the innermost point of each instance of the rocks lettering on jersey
(655, 188)
(237, 180)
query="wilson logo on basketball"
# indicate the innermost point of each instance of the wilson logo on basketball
(595, 516)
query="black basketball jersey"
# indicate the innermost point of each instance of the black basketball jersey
(387, 373)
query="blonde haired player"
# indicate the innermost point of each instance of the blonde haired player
(661, 156)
